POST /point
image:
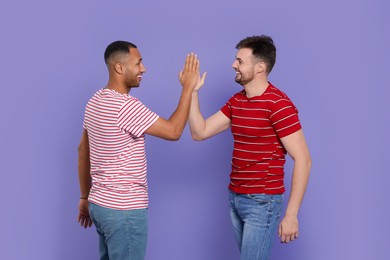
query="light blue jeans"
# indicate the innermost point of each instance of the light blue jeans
(122, 233)
(255, 220)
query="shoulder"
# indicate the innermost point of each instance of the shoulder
(237, 97)
(275, 94)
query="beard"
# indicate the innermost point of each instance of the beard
(133, 83)
(244, 79)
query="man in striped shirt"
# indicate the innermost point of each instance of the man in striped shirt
(265, 125)
(112, 162)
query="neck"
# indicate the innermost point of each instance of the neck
(117, 86)
(256, 87)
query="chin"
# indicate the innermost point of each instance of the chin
(238, 81)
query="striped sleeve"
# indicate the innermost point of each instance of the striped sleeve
(227, 108)
(135, 118)
(284, 117)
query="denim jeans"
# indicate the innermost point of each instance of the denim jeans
(255, 220)
(122, 233)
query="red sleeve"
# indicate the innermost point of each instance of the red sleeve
(284, 117)
(227, 108)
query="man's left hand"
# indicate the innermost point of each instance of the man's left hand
(288, 229)
(83, 218)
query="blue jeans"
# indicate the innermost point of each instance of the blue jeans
(122, 233)
(255, 220)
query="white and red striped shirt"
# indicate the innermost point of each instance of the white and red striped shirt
(116, 124)
(257, 124)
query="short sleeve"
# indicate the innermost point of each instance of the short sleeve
(284, 117)
(84, 124)
(135, 118)
(227, 108)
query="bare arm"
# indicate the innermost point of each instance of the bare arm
(296, 147)
(202, 129)
(84, 180)
(172, 128)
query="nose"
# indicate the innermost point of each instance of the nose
(234, 65)
(143, 69)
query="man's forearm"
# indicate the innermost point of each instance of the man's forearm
(84, 166)
(84, 181)
(300, 179)
(196, 120)
(180, 116)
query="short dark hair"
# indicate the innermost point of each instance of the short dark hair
(117, 46)
(262, 48)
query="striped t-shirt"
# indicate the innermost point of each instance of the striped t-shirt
(257, 124)
(116, 124)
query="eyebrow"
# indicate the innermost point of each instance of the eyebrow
(239, 59)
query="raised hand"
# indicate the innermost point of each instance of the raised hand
(190, 74)
(200, 82)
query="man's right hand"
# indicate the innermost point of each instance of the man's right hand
(200, 82)
(190, 74)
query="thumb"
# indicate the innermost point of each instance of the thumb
(280, 230)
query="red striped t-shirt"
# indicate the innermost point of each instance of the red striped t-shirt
(257, 124)
(116, 124)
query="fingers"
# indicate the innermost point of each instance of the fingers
(286, 238)
(192, 63)
(187, 63)
(197, 64)
(203, 77)
(84, 221)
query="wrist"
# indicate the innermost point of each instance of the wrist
(291, 214)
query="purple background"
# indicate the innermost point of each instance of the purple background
(332, 62)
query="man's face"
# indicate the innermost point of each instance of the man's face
(244, 66)
(134, 69)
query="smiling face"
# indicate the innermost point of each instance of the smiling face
(244, 66)
(133, 69)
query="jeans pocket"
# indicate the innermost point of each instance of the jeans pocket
(260, 198)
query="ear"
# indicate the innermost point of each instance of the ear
(118, 68)
(261, 67)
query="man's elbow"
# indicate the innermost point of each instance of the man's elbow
(80, 147)
(174, 135)
(196, 137)
(308, 162)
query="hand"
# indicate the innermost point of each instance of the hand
(288, 229)
(83, 217)
(190, 74)
(200, 82)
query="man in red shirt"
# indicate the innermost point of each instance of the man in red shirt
(112, 160)
(265, 125)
